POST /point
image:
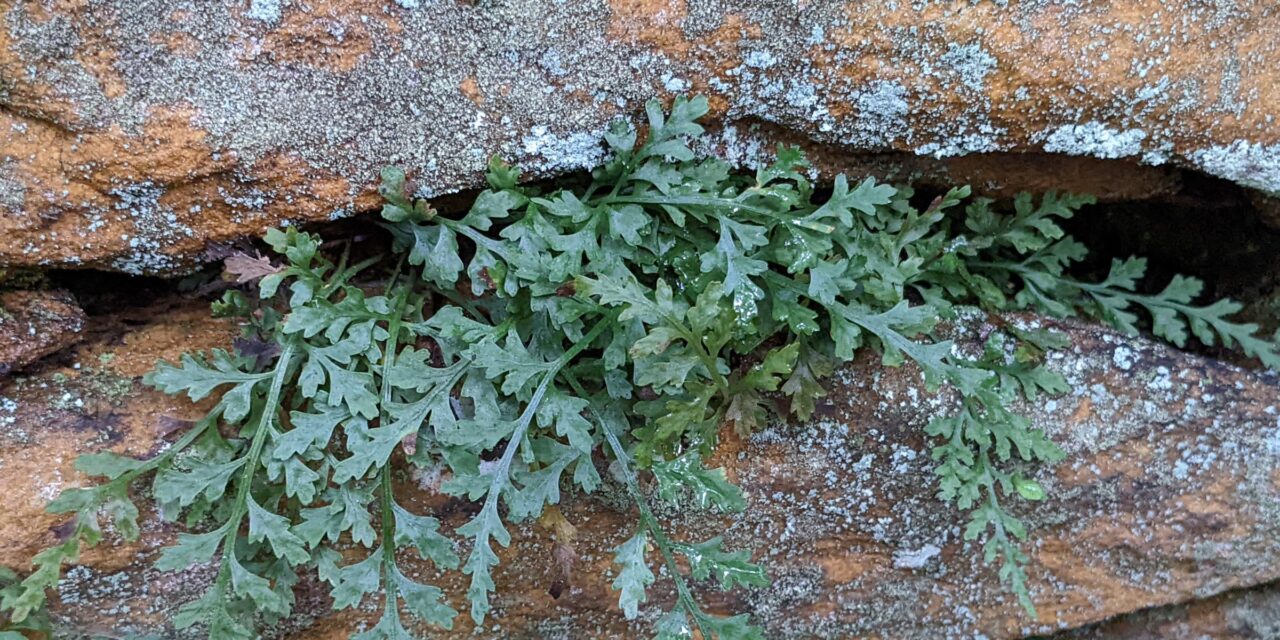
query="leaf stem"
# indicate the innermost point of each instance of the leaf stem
(714, 203)
(647, 519)
(502, 472)
(517, 436)
(251, 466)
(185, 441)
(387, 500)
(388, 544)
(1092, 288)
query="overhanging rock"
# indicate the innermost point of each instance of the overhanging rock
(133, 134)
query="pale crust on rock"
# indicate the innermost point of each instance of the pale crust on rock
(1168, 493)
(130, 137)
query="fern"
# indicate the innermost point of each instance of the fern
(520, 343)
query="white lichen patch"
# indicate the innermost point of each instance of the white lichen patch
(1249, 163)
(1094, 139)
(155, 228)
(563, 153)
(915, 558)
(267, 11)
(1122, 357)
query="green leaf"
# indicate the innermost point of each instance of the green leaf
(628, 222)
(842, 203)
(344, 386)
(501, 175)
(490, 206)
(673, 626)
(423, 533)
(205, 478)
(510, 362)
(192, 548)
(626, 291)
(668, 371)
(211, 610)
(654, 342)
(666, 133)
(299, 247)
(1028, 489)
(198, 379)
(709, 559)
(107, 464)
(310, 431)
(731, 627)
(634, 576)
(827, 281)
(541, 486)
(709, 487)
(357, 579)
(485, 526)
(74, 499)
(434, 248)
(397, 207)
(29, 596)
(767, 375)
(257, 589)
(803, 386)
(564, 414)
(424, 601)
(123, 514)
(276, 530)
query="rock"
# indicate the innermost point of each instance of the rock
(34, 324)
(1249, 614)
(94, 403)
(990, 174)
(133, 135)
(1169, 493)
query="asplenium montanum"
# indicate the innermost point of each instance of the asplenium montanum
(547, 332)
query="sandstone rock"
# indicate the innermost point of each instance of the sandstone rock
(1169, 493)
(1249, 614)
(133, 134)
(34, 324)
(48, 419)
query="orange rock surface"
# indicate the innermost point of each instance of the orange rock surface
(131, 136)
(1168, 494)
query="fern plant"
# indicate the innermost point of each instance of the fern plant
(541, 331)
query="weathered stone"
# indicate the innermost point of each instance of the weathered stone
(133, 134)
(95, 403)
(1169, 493)
(34, 324)
(1247, 614)
(990, 174)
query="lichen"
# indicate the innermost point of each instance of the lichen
(1094, 139)
(932, 89)
(1252, 164)
(267, 11)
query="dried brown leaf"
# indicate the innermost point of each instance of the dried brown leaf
(243, 267)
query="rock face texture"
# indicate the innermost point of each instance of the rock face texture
(1169, 494)
(131, 134)
(34, 324)
(1239, 615)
